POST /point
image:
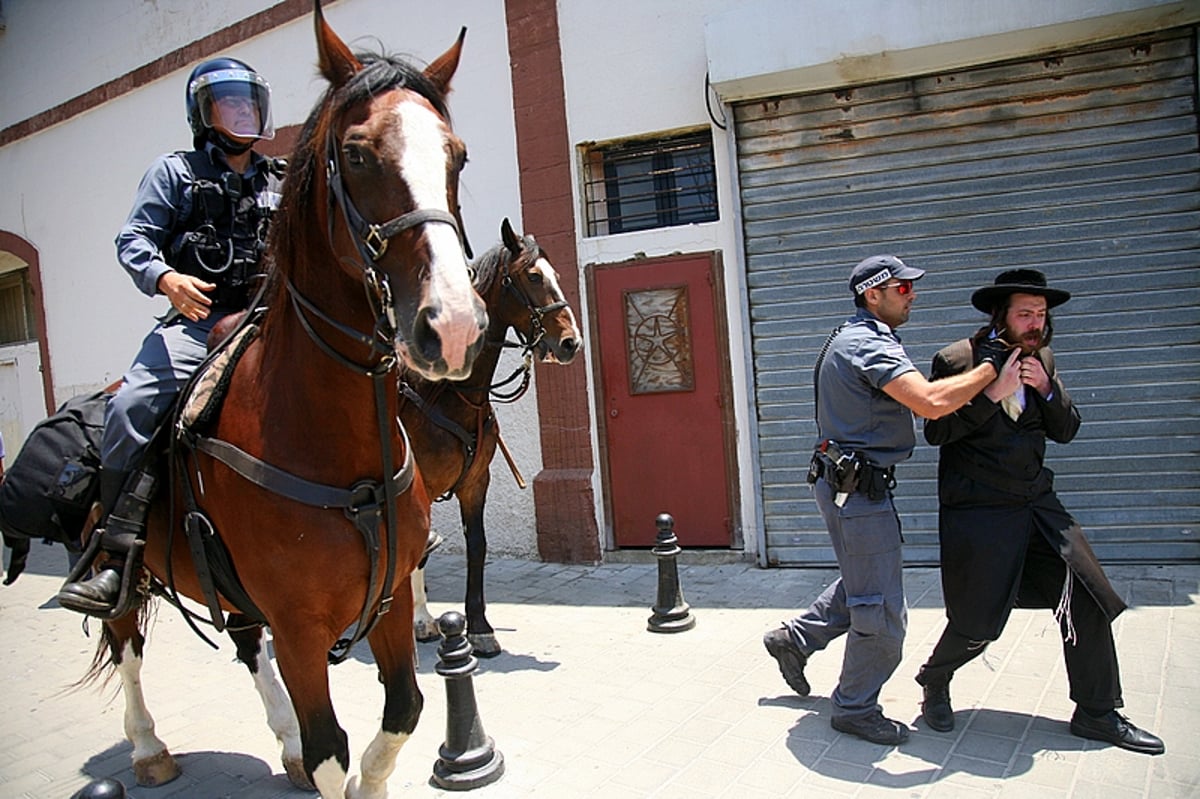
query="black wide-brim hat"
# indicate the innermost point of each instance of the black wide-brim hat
(1018, 281)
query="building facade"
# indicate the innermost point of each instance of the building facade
(703, 174)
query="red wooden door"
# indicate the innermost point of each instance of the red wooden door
(664, 401)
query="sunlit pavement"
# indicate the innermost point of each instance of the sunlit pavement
(584, 701)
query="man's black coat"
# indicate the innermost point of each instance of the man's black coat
(994, 492)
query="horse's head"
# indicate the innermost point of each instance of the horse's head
(383, 165)
(531, 300)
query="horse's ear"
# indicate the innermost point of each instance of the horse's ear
(442, 70)
(510, 238)
(334, 58)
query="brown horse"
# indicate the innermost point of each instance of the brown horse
(296, 475)
(453, 427)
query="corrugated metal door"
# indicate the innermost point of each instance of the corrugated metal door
(1083, 165)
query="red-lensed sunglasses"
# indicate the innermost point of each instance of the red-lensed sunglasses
(902, 287)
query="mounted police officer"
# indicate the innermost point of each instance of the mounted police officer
(197, 234)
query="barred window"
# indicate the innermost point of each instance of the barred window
(644, 184)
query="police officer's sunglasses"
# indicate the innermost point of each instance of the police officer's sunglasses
(902, 287)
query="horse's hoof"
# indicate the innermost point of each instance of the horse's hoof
(355, 791)
(157, 770)
(296, 775)
(484, 645)
(427, 631)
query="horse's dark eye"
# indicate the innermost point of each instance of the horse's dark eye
(353, 155)
(535, 278)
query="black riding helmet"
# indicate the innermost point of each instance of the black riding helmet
(223, 79)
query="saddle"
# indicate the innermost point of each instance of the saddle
(201, 404)
(198, 407)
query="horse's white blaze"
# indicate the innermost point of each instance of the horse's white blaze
(281, 716)
(423, 167)
(377, 764)
(550, 276)
(329, 779)
(139, 725)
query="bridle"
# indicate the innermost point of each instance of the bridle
(527, 341)
(371, 241)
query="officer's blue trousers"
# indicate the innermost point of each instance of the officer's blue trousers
(170, 353)
(866, 601)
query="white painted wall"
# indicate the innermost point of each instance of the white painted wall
(763, 47)
(56, 49)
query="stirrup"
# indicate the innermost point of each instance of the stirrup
(127, 594)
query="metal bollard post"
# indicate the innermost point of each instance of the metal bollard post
(671, 614)
(468, 759)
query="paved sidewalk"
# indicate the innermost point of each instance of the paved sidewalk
(585, 702)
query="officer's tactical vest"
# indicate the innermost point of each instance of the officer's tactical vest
(223, 238)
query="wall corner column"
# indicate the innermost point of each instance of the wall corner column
(564, 501)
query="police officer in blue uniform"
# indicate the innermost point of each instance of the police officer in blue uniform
(196, 234)
(867, 391)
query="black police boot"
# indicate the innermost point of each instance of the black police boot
(126, 498)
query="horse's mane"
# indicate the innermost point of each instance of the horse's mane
(487, 266)
(292, 225)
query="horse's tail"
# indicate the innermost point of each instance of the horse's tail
(121, 638)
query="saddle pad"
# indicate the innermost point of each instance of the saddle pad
(203, 404)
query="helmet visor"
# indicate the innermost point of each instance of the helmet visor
(235, 102)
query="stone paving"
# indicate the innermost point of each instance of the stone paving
(585, 702)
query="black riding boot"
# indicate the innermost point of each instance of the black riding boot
(126, 500)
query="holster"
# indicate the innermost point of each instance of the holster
(847, 472)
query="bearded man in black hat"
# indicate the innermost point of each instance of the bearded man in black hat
(1006, 540)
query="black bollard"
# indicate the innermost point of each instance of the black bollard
(469, 758)
(671, 614)
(107, 788)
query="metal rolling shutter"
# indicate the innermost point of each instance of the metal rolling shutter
(1081, 164)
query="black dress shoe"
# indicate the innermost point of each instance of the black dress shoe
(935, 709)
(790, 659)
(1117, 730)
(876, 728)
(95, 597)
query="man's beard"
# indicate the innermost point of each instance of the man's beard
(1031, 342)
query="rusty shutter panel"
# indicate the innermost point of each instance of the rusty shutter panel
(1081, 164)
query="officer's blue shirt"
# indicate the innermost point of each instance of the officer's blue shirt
(853, 409)
(162, 201)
